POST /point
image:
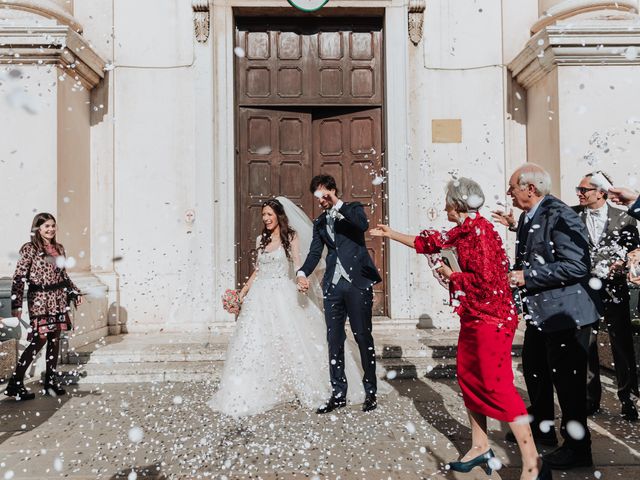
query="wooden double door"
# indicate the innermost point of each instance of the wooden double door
(281, 149)
(309, 100)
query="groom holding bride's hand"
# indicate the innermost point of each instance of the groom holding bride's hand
(347, 286)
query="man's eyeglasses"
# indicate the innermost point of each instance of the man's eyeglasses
(584, 190)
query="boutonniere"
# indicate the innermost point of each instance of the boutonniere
(335, 214)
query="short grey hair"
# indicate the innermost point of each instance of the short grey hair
(464, 195)
(533, 174)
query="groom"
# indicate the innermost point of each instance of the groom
(347, 286)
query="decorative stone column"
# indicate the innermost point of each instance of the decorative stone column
(582, 86)
(49, 70)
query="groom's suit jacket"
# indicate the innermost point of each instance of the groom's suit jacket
(349, 246)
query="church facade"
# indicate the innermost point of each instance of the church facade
(153, 129)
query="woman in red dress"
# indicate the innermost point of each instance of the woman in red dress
(481, 296)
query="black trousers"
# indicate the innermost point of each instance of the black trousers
(341, 301)
(617, 318)
(558, 359)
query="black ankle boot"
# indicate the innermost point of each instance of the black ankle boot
(52, 386)
(16, 388)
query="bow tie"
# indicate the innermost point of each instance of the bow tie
(596, 213)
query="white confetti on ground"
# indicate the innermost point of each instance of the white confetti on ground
(136, 434)
(58, 464)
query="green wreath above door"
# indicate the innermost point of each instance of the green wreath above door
(308, 5)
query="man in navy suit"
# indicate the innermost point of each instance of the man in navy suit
(552, 271)
(347, 286)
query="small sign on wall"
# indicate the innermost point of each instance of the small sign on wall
(446, 130)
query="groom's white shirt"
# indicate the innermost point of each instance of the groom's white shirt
(333, 214)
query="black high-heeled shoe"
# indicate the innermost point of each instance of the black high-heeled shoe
(53, 388)
(545, 472)
(17, 390)
(479, 461)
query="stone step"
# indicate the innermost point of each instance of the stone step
(196, 352)
(408, 353)
(142, 372)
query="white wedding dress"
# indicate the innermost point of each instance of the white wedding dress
(278, 352)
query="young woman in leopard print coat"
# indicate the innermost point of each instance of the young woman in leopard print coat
(41, 267)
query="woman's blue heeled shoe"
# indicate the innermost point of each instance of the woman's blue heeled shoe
(479, 461)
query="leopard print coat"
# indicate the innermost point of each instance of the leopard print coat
(48, 310)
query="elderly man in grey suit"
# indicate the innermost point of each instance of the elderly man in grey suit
(612, 235)
(552, 273)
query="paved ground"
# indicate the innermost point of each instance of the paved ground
(165, 430)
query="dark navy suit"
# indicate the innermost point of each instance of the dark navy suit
(342, 299)
(560, 308)
(634, 210)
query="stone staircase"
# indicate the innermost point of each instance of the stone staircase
(403, 352)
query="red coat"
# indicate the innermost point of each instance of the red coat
(482, 297)
(481, 291)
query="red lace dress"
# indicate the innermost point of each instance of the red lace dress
(482, 298)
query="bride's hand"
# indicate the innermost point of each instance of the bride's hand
(381, 230)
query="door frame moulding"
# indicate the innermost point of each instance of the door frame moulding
(395, 110)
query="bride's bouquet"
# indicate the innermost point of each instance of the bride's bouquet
(231, 301)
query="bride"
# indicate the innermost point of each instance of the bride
(278, 352)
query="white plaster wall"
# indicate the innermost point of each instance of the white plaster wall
(96, 18)
(154, 184)
(463, 34)
(28, 158)
(460, 75)
(480, 156)
(517, 19)
(155, 166)
(599, 124)
(153, 33)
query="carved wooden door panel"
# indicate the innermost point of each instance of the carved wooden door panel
(274, 158)
(309, 62)
(347, 144)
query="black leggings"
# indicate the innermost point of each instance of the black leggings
(37, 342)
